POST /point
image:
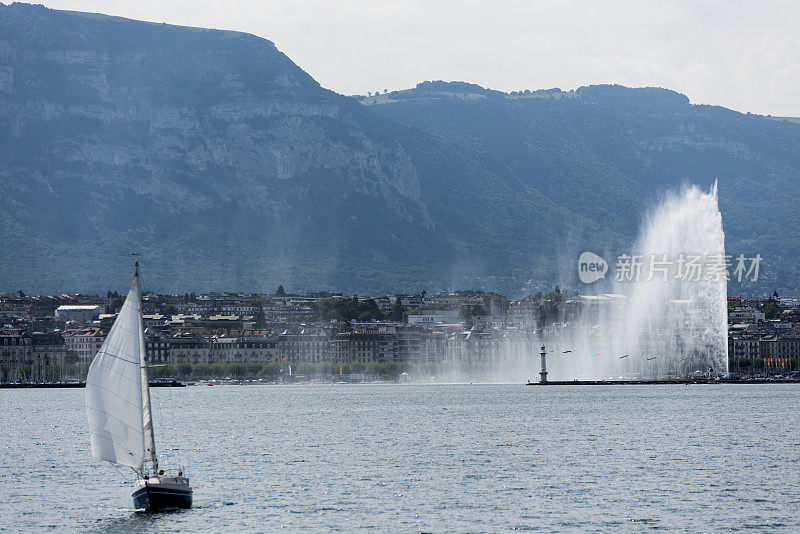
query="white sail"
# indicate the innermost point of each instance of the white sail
(114, 401)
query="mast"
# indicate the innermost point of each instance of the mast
(149, 435)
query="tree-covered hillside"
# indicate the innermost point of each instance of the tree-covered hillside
(607, 153)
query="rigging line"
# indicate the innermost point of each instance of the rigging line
(120, 358)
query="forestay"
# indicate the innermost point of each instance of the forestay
(114, 390)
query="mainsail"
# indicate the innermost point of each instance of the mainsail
(114, 390)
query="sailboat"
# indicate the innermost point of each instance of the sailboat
(120, 417)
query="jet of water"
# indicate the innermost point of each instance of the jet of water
(667, 320)
(669, 315)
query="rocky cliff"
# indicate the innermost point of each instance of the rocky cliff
(225, 166)
(129, 135)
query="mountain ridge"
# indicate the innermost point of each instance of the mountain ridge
(212, 154)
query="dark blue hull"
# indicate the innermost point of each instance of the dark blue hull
(152, 498)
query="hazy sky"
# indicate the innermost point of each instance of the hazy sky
(739, 54)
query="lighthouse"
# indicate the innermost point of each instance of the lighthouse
(543, 372)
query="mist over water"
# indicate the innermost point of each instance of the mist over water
(663, 316)
(670, 319)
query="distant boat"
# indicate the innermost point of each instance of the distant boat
(118, 407)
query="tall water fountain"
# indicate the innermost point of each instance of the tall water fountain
(666, 314)
(660, 312)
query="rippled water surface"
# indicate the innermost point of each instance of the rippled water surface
(435, 458)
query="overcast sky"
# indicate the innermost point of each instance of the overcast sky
(743, 55)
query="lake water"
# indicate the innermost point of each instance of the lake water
(433, 458)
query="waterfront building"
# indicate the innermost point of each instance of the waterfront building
(257, 349)
(304, 346)
(743, 345)
(158, 348)
(472, 346)
(48, 353)
(84, 341)
(366, 345)
(408, 344)
(15, 355)
(189, 348)
(432, 344)
(782, 352)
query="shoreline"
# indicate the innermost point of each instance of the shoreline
(179, 384)
(660, 382)
(58, 385)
